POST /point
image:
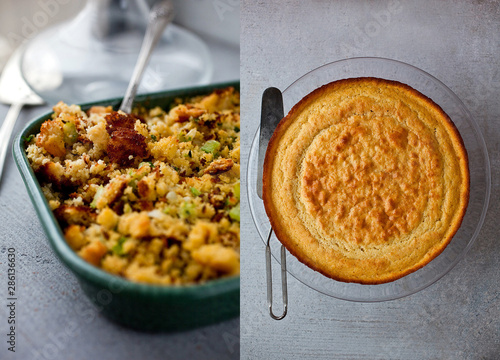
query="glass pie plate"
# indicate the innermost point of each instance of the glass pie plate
(479, 168)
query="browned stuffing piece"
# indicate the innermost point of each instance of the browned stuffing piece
(219, 166)
(126, 146)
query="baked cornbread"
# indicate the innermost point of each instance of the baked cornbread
(366, 180)
(151, 196)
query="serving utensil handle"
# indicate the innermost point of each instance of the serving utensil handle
(159, 17)
(271, 115)
(284, 289)
(6, 131)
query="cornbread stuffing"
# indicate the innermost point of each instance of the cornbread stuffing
(152, 196)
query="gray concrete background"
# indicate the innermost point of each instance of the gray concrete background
(50, 302)
(456, 41)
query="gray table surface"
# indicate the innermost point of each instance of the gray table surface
(457, 42)
(50, 300)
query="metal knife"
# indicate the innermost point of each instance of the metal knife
(271, 115)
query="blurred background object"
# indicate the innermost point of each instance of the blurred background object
(80, 51)
(23, 20)
(219, 19)
(92, 56)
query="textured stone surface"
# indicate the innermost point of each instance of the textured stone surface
(459, 43)
(51, 304)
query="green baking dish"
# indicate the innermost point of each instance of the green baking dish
(139, 306)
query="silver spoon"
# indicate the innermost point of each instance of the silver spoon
(160, 16)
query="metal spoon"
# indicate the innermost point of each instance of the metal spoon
(160, 16)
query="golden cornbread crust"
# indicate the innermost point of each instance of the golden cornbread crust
(366, 180)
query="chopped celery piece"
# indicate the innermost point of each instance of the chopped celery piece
(184, 138)
(133, 184)
(195, 191)
(146, 163)
(236, 190)
(211, 146)
(127, 208)
(28, 138)
(234, 213)
(118, 248)
(70, 133)
(186, 210)
(97, 195)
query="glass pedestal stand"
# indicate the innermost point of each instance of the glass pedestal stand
(92, 57)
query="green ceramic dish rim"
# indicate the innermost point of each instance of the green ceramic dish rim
(80, 267)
